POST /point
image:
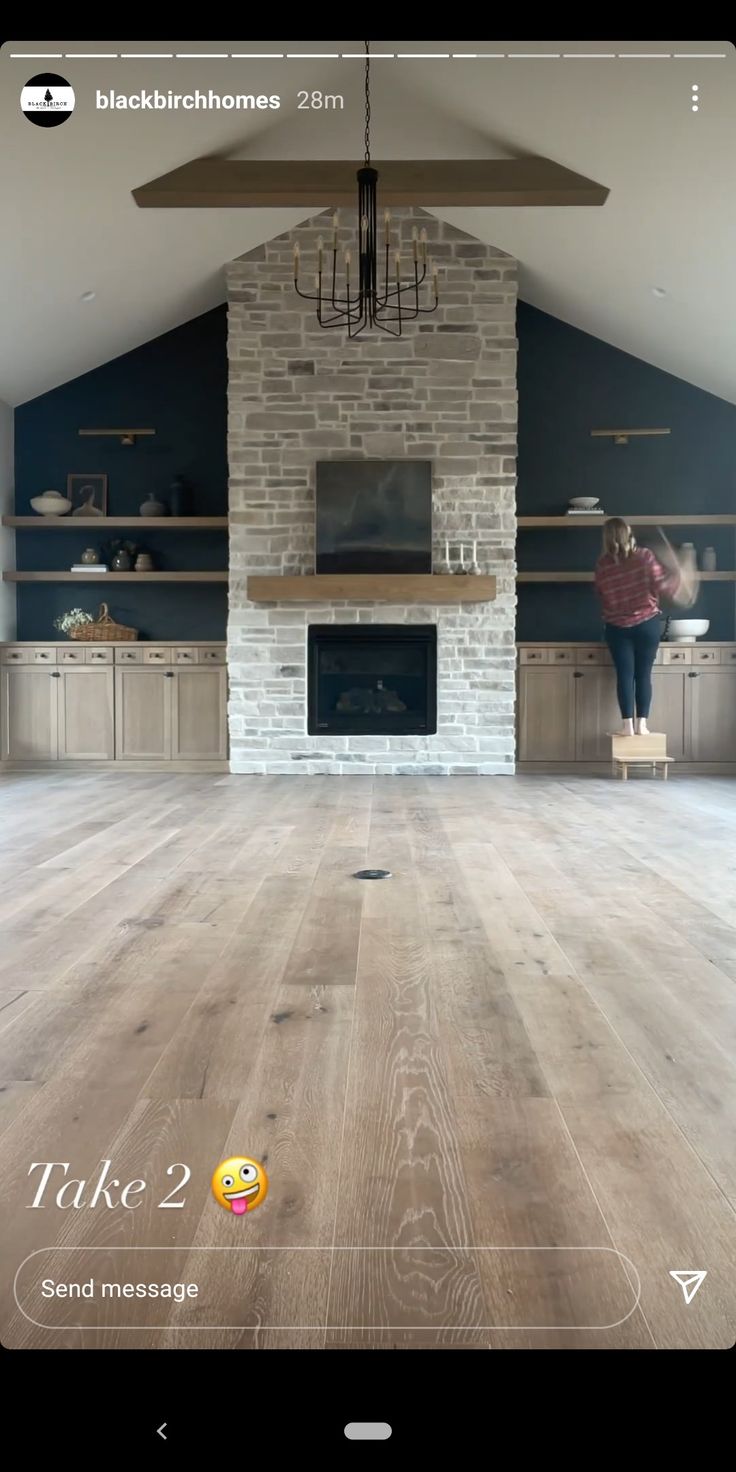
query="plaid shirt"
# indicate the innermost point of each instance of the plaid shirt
(629, 591)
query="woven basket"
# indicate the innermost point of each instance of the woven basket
(103, 627)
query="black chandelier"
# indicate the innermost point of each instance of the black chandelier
(362, 305)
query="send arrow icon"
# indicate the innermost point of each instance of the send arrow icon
(690, 1280)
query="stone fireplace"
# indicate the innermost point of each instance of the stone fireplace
(302, 700)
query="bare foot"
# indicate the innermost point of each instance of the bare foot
(642, 728)
(627, 728)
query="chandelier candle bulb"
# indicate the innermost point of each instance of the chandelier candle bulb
(397, 259)
(320, 248)
(334, 230)
(423, 242)
(415, 243)
(296, 262)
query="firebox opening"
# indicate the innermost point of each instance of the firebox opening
(372, 680)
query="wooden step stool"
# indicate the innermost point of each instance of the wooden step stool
(640, 751)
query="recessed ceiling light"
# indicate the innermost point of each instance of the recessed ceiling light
(659, 291)
(88, 296)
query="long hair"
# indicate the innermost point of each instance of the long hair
(618, 539)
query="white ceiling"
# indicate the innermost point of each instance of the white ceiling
(69, 224)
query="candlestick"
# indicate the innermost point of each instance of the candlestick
(423, 242)
(296, 261)
(334, 230)
(397, 259)
(320, 247)
(415, 243)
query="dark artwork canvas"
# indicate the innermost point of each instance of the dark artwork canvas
(374, 516)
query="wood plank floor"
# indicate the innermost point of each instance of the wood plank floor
(495, 1094)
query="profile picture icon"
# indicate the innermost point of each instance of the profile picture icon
(47, 100)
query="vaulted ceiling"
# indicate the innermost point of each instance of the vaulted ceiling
(71, 226)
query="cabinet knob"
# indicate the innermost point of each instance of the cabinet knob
(168, 674)
(577, 675)
(692, 674)
(55, 675)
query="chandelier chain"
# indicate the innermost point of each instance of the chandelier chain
(367, 103)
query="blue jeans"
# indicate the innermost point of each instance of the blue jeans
(633, 651)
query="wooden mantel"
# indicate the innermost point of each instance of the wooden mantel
(374, 588)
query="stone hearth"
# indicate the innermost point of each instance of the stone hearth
(445, 391)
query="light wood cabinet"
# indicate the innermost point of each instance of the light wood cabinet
(199, 714)
(106, 703)
(546, 713)
(86, 727)
(567, 714)
(711, 708)
(596, 713)
(30, 713)
(143, 713)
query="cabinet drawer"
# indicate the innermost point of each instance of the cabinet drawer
(728, 656)
(18, 656)
(706, 656)
(156, 655)
(72, 655)
(44, 656)
(98, 656)
(183, 655)
(677, 656)
(211, 656)
(593, 656)
(134, 655)
(534, 656)
(562, 656)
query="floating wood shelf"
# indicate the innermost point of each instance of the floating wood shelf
(99, 523)
(103, 578)
(653, 521)
(587, 577)
(374, 588)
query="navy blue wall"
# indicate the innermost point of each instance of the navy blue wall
(177, 385)
(570, 383)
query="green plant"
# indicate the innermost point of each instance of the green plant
(72, 620)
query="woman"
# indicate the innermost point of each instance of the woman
(629, 582)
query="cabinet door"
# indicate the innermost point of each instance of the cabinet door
(596, 713)
(546, 714)
(86, 731)
(199, 714)
(668, 707)
(143, 713)
(29, 716)
(711, 714)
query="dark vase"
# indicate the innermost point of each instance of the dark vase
(179, 497)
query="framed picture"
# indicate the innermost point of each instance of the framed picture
(88, 494)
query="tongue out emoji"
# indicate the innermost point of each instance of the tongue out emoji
(239, 1184)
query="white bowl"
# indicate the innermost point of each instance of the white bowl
(687, 630)
(584, 503)
(51, 503)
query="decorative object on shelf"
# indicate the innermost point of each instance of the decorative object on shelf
(622, 436)
(686, 630)
(362, 305)
(126, 436)
(473, 567)
(584, 506)
(75, 618)
(443, 565)
(120, 554)
(88, 494)
(51, 503)
(144, 562)
(461, 568)
(180, 497)
(152, 507)
(89, 562)
(95, 630)
(710, 561)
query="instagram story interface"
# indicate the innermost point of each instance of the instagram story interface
(368, 695)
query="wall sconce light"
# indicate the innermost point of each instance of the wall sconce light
(126, 436)
(622, 436)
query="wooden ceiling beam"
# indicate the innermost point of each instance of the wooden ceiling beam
(222, 183)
